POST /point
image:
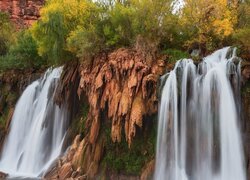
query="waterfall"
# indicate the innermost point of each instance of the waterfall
(37, 129)
(198, 122)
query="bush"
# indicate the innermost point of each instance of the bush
(122, 159)
(25, 50)
(175, 55)
(58, 19)
(6, 33)
(22, 53)
(122, 24)
(241, 36)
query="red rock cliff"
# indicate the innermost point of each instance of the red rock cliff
(22, 12)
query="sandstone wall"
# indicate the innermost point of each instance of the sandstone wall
(22, 12)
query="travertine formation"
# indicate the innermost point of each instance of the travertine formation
(22, 12)
(123, 87)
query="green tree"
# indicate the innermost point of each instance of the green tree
(58, 19)
(141, 23)
(25, 50)
(22, 53)
(6, 31)
(242, 33)
(208, 22)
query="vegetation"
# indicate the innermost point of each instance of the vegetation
(18, 49)
(81, 29)
(7, 101)
(6, 30)
(209, 22)
(120, 158)
(241, 35)
(175, 54)
(22, 53)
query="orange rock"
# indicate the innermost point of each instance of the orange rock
(22, 13)
(119, 84)
(148, 171)
(65, 171)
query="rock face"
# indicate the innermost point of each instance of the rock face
(246, 124)
(148, 170)
(3, 175)
(69, 165)
(121, 90)
(22, 12)
(122, 86)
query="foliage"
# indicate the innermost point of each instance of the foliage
(175, 55)
(82, 28)
(208, 22)
(22, 53)
(246, 89)
(121, 158)
(58, 19)
(25, 50)
(6, 31)
(78, 123)
(109, 29)
(7, 101)
(241, 35)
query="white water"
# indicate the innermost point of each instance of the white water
(198, 128)
(37, 129)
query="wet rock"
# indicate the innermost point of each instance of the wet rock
(123, 177)
(124, 84)
(148, 171)
(245, 72)
(121, 89)
(65, 171)
(245, 123)
(3, 175)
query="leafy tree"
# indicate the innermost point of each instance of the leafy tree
(25, 50)
(126, 23)
(58, 19)
(208, 22)
(6, 31)
(22, 53)
(242, 33)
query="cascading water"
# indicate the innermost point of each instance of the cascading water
(198, 130)
(37, 130)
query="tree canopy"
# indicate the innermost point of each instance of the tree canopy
(70, 29)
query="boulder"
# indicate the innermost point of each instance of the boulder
(3, 175)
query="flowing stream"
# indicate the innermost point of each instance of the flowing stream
(37, 129)
(198, 129)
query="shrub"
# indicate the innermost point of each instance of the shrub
(122, 159)
(58, 19)
(175, 55)
(22, 53)
(119, 24)
(6, 33)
